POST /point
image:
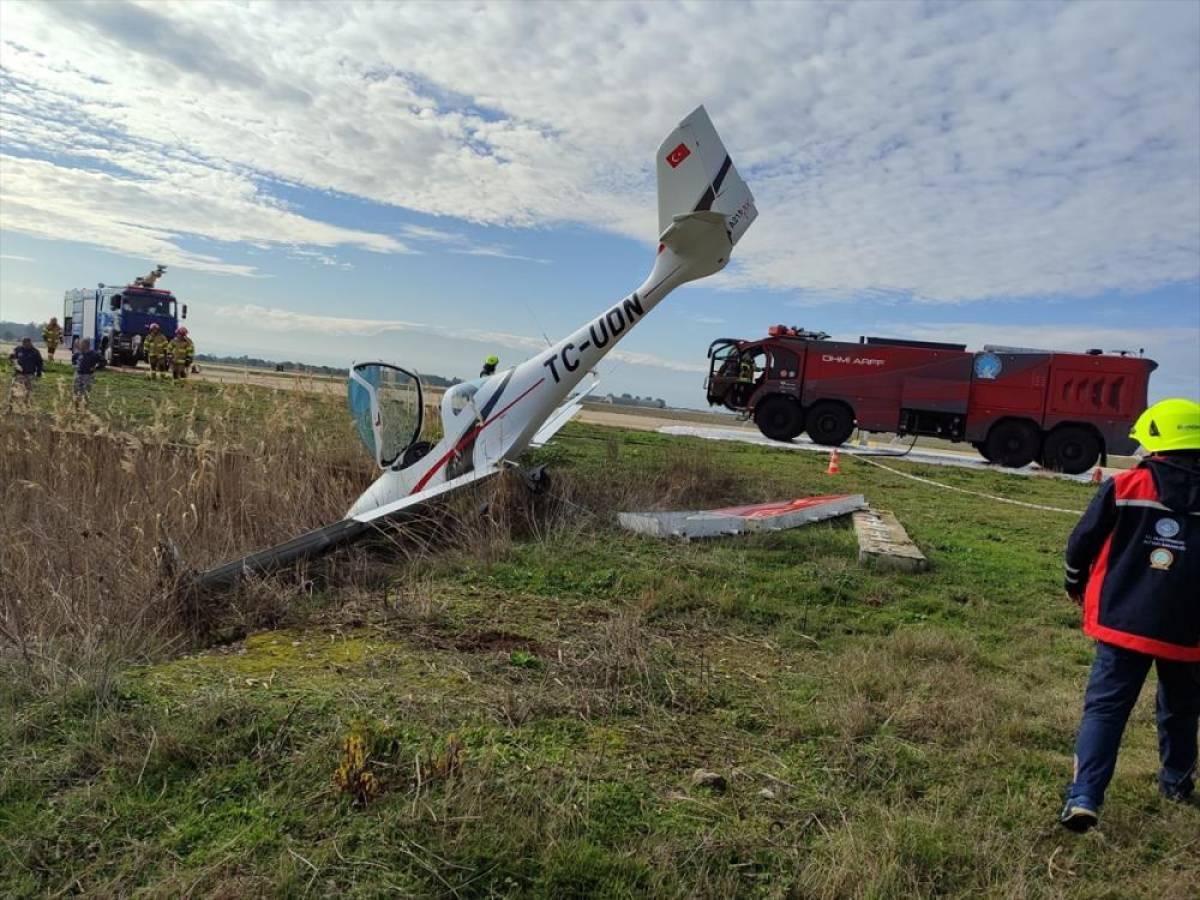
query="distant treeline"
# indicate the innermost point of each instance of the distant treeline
(253, 362)
(630, 400)
(15, 331)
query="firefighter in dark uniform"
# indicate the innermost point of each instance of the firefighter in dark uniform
(1133, 564)
(489, 366)
(27, 360)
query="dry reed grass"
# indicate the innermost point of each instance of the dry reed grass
(87, 515)
(95, 521)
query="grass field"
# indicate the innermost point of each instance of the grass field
(511, 697)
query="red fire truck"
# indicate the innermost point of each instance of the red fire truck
(1014, 405)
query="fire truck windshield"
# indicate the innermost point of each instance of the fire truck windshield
(151, 306)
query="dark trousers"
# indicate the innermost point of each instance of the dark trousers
(1113, 688)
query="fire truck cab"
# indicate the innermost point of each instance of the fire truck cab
(1014, 405)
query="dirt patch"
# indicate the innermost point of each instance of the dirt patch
(490, 641)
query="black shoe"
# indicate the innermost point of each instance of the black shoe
(1078, 815)
(1186, 798)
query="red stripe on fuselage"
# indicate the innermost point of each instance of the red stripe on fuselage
(467, 438)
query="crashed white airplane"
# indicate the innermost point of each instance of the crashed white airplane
(704, 208)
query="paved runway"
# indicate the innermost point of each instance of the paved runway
(967, 459)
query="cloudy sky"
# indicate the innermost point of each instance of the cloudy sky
(428, 183)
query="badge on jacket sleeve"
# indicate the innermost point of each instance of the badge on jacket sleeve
(1167, 528)
(1161, 558)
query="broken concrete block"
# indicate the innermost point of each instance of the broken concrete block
(883, 542)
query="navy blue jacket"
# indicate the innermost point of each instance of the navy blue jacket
(87, 363)
(1135, 558)
(28, 360)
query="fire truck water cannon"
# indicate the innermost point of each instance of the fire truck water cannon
(1014, 405)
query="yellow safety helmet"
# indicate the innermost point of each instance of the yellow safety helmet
(1169, 425)
(492, 360)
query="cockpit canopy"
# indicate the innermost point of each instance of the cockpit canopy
(387, 406)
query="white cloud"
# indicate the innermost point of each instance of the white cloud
(499, 251)
(947, 152)
(460, 243)
(146, 216)
(276, 320)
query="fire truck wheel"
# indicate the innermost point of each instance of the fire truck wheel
(779, 418)
(1012, 443)
(1072, 449)
(981, 447)
(830, 423)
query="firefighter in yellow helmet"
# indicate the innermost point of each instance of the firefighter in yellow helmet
(489, 366)
(183, 351)
(1133, 564)
(52, 334)
(156, 346)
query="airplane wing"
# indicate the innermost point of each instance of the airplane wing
(414, 500)
(322, 540)
(562, 416)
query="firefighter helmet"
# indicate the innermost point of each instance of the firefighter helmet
(154, 326)
(1169, 425)
(181, 331)
(492, 360)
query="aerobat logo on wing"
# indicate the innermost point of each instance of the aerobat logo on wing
(741, 213)
(851, 360)
(678, 155)
(605, 328)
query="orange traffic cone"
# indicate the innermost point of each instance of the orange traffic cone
(833, 463)
(1097, 476)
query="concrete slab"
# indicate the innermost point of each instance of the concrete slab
(775, 516)
(883, 542)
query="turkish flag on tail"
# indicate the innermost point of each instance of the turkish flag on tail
(678, 155)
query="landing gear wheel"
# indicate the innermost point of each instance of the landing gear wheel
(1071, 449)
(1013, 444)
(830, 423)
(537, 480)
(779, 418)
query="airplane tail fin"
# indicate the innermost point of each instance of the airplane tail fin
(696, 176)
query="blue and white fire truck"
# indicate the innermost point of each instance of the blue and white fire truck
(117, 319)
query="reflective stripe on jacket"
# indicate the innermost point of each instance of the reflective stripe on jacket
(156, 346)
(1135, 556)
(181, 351)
